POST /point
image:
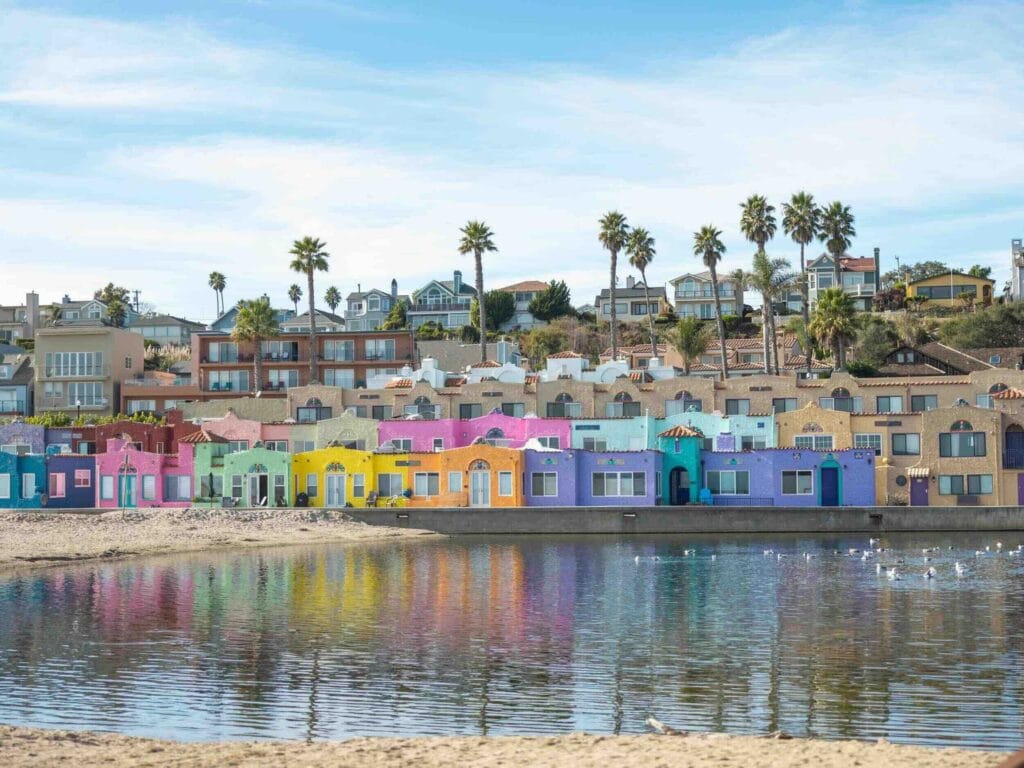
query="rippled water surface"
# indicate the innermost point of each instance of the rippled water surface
(527, 635)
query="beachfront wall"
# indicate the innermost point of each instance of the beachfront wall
(790, 478)
(132, 478)
(497, 428)
(549, 478)
(617, 478)
(22, 481)
(680, 466)
(340, 477)
(478, 475)
(258, 477)
(70, 481)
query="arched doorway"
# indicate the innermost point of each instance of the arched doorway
(258, 482)
(334, 484)
(679, 486)
(495, 436)
(830, 483)
(479, 484)
(127, 486)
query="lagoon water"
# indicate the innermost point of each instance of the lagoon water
(526, 635)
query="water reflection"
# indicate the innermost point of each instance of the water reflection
(529, 635)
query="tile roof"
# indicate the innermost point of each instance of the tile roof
(565, 355)
(906, 382)
(526, 285)
(1010, 357)
(1009, 394)
(682, 431)
(636, 292)
(952, 273)
(641, 376)
(852, 264)
(910, 369)
(399, 384)
(485, 364)
(202, 436)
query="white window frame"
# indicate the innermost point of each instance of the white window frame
(797, 474)
(358, 485)
(5, 486)
(455, 482)
(421, 484)
(868, 441)
(28, 486)
(817, 442)
(505, 479)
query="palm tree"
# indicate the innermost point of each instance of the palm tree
(771, 278)
(256, 322)
(690, 337)
(757, 223)
(837, 233)
(801, 220)
(476, 239)
(294, 294)
(332, 298)
(218, 282)
(310, 257)
(707, 243)
(640, 247)
(614, 231)
(833, 322)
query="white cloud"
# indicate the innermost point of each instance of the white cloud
(904, 122)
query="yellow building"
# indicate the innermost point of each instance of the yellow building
(946, 290)
(338, 477)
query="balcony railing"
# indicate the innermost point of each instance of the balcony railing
(1013, 459)
(62, 402)
(79, 372)
(12, 406)
(177, 381)
(444, 306)
(733, 500)
(723, 293)
(428, 412)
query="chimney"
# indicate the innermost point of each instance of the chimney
(457, 282)
(66, 299)
(630, 282)
(359, 287)
(878, 270)
(32, 312)
(394, 289)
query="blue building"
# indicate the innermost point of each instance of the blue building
(22, 480)
(70, 481)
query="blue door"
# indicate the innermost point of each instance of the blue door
(829, 487)
(127, 492)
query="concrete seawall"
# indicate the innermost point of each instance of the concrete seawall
(570, 520)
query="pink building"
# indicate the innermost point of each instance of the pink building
(242, 434)
(494, 428)
(127, 477)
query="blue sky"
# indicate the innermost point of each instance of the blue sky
(148, 143)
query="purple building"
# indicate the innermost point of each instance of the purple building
(70, 481)
(584, 478)
(788, 477)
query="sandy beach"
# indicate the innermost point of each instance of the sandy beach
(31, 747)
(39, 539)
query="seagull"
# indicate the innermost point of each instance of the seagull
(879, 568)
(779, 556)
(959, 567)
(1013, 553)
(714, 557)
(999, 545)
(872, 542)
(930, 573)
(978, 553)
(988, 549)
(927, 559)
(688, 552)
(927, 550)
(636, 559)
(864, 557)
(768, 552)
(808, 555)
(854, 551)
(893, 575)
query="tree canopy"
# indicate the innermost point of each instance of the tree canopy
(499, 307)
(1001, 325)
(554, 301)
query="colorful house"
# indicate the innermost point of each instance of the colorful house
(479, 475)
(790, 477)
(208, 451)
(258, 477)
(70, 481)
(680, 448)
(341, 477)
(721, 432)
(22, 480)
(132, 478)
(585, 478)
(497, 429)
(952, 289)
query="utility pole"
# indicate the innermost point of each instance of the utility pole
(136, 292)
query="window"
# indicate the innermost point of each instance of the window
(178, 488)
(381, 412)
(211, 490)
(906, 357)
(28, 486)
(389, 484)
(470, 410)
(16, 449)
(797, 482)
(619, 483)
(752, 442)
(623, 406)
(842, 401)
(889, 404)
(906, 444)
(995, 359)
(737, 407)
(62, 364)
(127, 363)
(784, 404)
(236, 446)
(83, 478)
(380, 349)
(276, 445)
(236, 486)
(228, 381)
(504, 483)
(339, 351)
(551, 441)
(301, 446)
(280, 497)
(951, 485)
(595, 444)
(979, 484)
(402, 444)
(563, 407)
(339, 377)
(88, 393)
(544, 484)
(920, 403)
(961, 444)
(426, 484)
(813, 442)
(5, 486)
(358, 485)
(868, 441)
(312, 488)
(438, 444)
(514, 409)
(729, 481)
(107, 487)
(149, 487)
(454, 482)
(57, 481)
(141, 406)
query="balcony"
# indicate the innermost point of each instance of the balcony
(443, 306)
(12, 406)
(426, 412)
(1013, 459)
(78, 372)
(177, 381)
(723, 293)
(62, 402)
(860, 289)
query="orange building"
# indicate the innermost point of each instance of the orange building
(478, 475)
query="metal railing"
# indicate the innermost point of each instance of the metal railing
(733, 500)
(1013, 459)
(12, 406)
(178, 381)
(723, 293)
(445, 306)
(76, 372)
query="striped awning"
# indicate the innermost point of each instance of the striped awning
(918, 471)
(682, 431)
